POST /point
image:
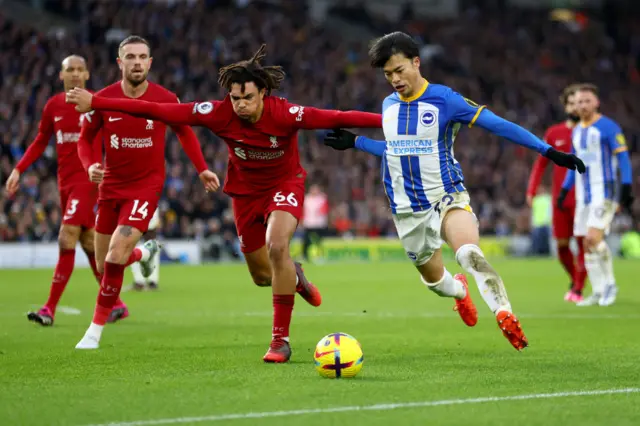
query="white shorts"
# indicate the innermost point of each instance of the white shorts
(595, 215)
(155, 221)
(419, 232)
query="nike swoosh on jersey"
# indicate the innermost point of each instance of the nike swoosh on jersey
(56, 119)
(114, 119)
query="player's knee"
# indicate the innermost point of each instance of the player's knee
(278, 249)
(261, 278)
(67, 238)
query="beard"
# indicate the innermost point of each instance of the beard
(137, 79)
(573, 117)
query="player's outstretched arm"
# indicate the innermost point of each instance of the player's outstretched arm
(516, 134)
(342, 139)
(315, 118)
(170, 113)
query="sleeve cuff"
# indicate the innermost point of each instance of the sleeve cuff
(619, 150)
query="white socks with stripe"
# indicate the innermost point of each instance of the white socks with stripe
(599, 264)
(447, 286)
(472, 260)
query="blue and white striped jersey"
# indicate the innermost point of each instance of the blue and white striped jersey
(597, 146)
(418, 166)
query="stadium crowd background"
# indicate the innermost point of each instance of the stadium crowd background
(515, 61)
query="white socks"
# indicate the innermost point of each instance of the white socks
(95, 330)
(599, 264)
(155, 275)
(447, 286)
(472, 260)
(137, 273)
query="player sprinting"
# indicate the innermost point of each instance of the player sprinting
(132, 178)
(78, 196)
(559, 137)
(599, 141)
(425, 184)
(140, 282)
(265, 179)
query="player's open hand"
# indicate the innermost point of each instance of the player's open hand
(96, 173)
(13, 182)
(210, 181)
(569, 161)
(81, 98)
(340, 139)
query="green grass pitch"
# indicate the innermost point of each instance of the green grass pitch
(192, 352)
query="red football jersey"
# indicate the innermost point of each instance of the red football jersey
(61, 119)
(559, 137)
(134, 147)
(262, 154)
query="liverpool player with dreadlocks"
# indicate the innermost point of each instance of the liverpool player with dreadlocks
(265, 179)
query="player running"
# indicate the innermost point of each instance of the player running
(265, 179)
(78, 196)
(600, 142)
(132, 178)
(424, 182)
(559, 137)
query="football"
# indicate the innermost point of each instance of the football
(338, 355)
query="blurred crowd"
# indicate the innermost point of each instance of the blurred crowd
(514, 61)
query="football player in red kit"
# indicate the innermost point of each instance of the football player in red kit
(559, 137)
(78, 196)
(265, 179)
(132, 177)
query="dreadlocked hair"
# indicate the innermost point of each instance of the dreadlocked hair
(242, 72)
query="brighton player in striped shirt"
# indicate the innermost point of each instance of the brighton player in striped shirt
(600, 142)
(425, 184)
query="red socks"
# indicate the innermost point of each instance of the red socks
(135, 256)
(566, 258)
(61, 276)
(109, 291)
(282, 309)
(581, 270)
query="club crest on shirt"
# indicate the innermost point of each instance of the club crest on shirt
(428, 118)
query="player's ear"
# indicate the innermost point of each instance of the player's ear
(150, 62)
(119, 61)
(263, 92)
(60, 76)
(416, 62)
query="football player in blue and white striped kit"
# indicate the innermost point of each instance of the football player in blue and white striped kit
(599, 141)
(424, 182)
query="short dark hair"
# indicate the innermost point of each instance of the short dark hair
(588, 87)
(251, 70)
(386, 46)
(134, 39)
(568, 91)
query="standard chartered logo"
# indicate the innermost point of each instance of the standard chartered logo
(115, 143)
(240, 153)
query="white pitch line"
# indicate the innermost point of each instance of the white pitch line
(376, 407)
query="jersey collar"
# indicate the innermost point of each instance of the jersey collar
(418, 94)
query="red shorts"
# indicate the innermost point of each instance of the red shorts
(79, 203)
(563, 223)
(135, 213)
(251, 212)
